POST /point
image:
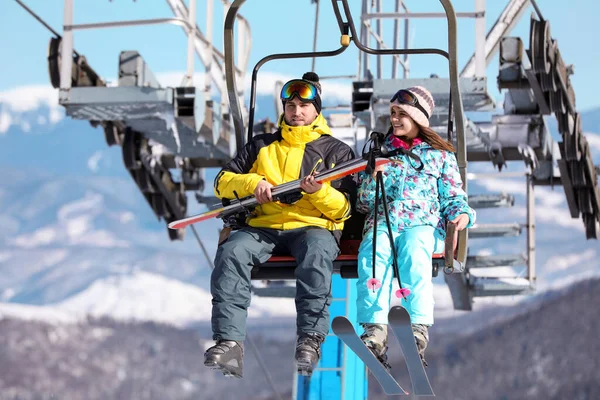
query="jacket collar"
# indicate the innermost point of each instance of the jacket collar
(388, 144)
(297, 135)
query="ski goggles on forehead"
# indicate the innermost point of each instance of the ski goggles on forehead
(304, 90)
(405, 97)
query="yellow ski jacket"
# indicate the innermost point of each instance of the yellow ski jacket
(286, 155)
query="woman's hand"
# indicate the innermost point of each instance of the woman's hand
(377, 169)
(461, 223)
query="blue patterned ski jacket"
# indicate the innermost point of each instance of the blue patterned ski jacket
(416, 198)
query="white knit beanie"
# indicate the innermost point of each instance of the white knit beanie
(425, 100)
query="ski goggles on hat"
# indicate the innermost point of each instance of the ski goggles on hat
(304, 90)
(404, 96)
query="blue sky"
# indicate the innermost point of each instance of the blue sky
(277, 26)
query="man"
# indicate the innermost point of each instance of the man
(309, 228)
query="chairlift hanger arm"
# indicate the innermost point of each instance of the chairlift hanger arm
(230, 76)
(41, 21)
(461, 149)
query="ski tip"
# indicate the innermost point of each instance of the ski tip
(340, 322)
(175, 225)
(399, 311)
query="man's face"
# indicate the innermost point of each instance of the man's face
(298, 113)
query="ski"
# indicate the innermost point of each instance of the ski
(399, 321)
(339, 171)
(344, 330)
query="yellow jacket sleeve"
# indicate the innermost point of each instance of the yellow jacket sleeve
(332, 203)
(243, 184)
(238, 175)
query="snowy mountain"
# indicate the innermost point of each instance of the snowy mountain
(106, 359)
(538, 350)
(139, 296)
(590, 120)
(78, 237)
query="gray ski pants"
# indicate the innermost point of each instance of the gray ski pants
(314, 249)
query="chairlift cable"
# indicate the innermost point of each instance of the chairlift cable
(263, 366)
(537, 10)
(34, 15)
(41, 21)
(201, 244)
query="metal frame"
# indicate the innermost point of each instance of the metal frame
(205, 50)
(504, 24)
(367, 33)
(69, 27)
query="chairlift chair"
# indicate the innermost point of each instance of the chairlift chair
(281, 267)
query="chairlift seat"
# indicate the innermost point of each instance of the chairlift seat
(281, 267)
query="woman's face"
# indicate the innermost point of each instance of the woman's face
(403, 125)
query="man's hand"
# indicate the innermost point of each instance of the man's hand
(461, 223)
(310, 185)
(377, 169)
(263, 192)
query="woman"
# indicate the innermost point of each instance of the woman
(420, 202)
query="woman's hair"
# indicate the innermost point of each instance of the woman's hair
(430, 136)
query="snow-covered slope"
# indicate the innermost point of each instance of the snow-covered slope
(146, 296)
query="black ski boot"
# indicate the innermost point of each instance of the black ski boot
(308, 352)
(375, 338)
(422, 338)
(227, 356)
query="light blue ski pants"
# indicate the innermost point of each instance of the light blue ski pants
(414, 248)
